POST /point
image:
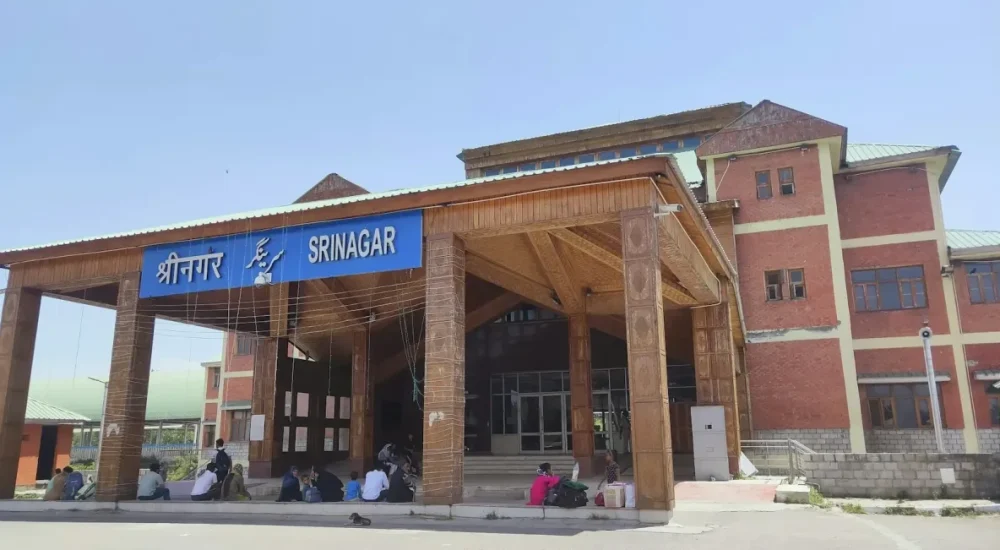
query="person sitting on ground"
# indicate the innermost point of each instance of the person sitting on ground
(540, 487)
(74, 482)
(48, 486)
(233, 486)
(206, 486)
(387, 453)
(290, 490)
(56, 486)
(331, 489)
(353, 491)
(376, 485)
(611, 471)
(399, 488)
(310, 493)
(151, 485)
(222, 461)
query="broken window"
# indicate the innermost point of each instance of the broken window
(786, 181)
(763, 184)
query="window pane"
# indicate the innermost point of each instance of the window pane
(670, 146)
(691, 142)
(331, 407)
(886, 274)
(913, 272)
(626, 152)
(301, 439)
(865, 276)
(974, 294)
(995, 410)
(528, 382)
(546, 164)
(764, 192)
(288, 403)
(328, 439)
(796, 275)
(763, 178)
(344, 439)
(551, 381)
(605, 155)
(787, 189)
(302, 404)
(921, 389)
(785, 175)
(531, 415)
(531, 443)
(527, 167)
(859, 298)
(878, 390)
(988, 293)
(567, 161)
(875, 412)
(773, 277)
(285, 434)
(510, 383)
(496, 414)
(589, 157)
(924, 412)
(508, 169)
(489, 172)
(906, 413)
(600, 380)
(902, 391)
(648, 149)
(569, 414)
(887, 412)
(617, 379)
(977, 267)
(889, 296)
(496, 385)
(345, 408)
(510, 406)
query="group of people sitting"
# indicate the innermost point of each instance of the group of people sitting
(221, 480)
(384, 483)
(65, 485)
(545, 480)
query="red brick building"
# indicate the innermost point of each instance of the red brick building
(46, 441)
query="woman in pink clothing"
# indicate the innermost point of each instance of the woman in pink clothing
(540, 487)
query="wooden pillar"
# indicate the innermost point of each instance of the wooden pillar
(362, 445)
(18, 326)
(444, 378)
(128, 385)
(743, 394)
(581, 396)
(647, 362)
(269, 396)
(715, 370)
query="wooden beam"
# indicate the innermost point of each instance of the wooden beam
(545, 250)
(606, 303)
(543, 225)
(679, 254)
(589, 242)
(338, 299)
(506, 279)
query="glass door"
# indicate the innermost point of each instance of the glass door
(543, 423)
(530, 426)
(553, 424)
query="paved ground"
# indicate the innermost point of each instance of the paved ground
(791, 529)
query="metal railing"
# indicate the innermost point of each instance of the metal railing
(84, 453)
(776, 457)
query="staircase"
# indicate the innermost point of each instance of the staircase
(484, 465)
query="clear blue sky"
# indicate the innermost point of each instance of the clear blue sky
(120, 115)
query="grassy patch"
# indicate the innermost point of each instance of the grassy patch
(27, 496)
(817, 499)
(907, 511)
(960, 512)
(494, 516)
(852, 508)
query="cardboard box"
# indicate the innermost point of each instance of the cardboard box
(614, 496)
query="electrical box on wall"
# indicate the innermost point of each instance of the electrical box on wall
(708, 430)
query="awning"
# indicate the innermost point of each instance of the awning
(901, 377)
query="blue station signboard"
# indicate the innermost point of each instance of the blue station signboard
(328, 249)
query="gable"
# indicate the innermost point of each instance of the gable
(769, 124)
(331, 187)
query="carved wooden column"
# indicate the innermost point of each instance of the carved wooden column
(444, 378)
(18, 327)
(743, 395)
(715, 370)
(362, 443)
(128, 385)
(581, 395)
(268, 394)
(647, 362)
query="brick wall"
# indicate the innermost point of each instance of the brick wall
(989, 440)
(819, 440)
(797, 385)
(911, 360)
(211, 392)
(912, 441)
(736, 180)
(974, 317)
(981, 357)
(905, 322)
(238, 389)
(805, 248)
(210, 410)
(883, 203)
(898, 475)
(27, 463)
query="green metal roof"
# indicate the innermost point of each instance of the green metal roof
(963, 238)
(173, 395)
(860, 152)
(39, 412)
(687, 161)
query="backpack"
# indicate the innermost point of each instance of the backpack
(567, 494)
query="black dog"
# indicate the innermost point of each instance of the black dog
(358, 520)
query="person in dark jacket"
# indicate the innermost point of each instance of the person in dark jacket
(290, 489)
(330, 487)
(399, 489)
(223, 463)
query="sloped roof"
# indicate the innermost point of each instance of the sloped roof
(688, 165)
(173, 395)
(769, 124)
(860, 152)
(964, 238)
(39, 412)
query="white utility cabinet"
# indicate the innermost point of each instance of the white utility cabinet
(708, 428)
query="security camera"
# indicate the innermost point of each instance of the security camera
(926, 333)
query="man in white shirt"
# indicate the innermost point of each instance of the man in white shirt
(205, 487)
(151, 485)
(376, 486)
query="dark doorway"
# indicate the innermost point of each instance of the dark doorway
(47, 452)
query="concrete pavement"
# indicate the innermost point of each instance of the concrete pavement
(790, 528)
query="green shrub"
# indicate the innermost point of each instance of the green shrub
(852, 508)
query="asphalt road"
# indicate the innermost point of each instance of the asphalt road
(791, 529)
